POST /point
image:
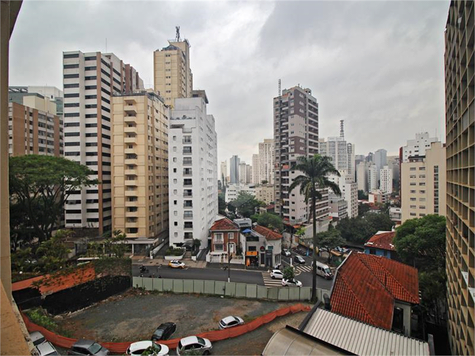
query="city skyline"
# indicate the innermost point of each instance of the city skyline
(345, 52)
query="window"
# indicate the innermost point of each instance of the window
(218, 237)
(188, 225)
(231, 235)
(218, 247)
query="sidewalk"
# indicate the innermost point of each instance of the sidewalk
(236, 267)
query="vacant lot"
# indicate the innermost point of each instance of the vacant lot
(134, 316)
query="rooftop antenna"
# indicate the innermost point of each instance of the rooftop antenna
(280, 87)
(177, 36)
(106, 44)
(342, 130)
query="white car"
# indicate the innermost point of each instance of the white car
(275, 273)
(176, 264)
(291, 282)
(286, 253)
(46, 349)
(230, 321)
(139, 347)
(194, 345)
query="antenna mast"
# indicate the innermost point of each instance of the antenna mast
(280, 87)
(342, 130)
(177, 36)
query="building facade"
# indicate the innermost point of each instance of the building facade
(372, 178)
(423, 181)
(362, 176)
(295, 135)
(265, 193)
(460, 138)
(380, 160)
(33, 125)
(386, 179)
(233, 190)
(234, 170)
(140, 169)
(255, 169)
(90, 80)
(193, 168)
(341, 152)
(349, 191)
(224, 172)
(172, 72)
(266, 161)
(418, 146)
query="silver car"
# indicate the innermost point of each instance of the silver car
(194, 345)
(88, 347)
(46, 349)
(230, 321)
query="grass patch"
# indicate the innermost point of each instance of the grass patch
(40, 317)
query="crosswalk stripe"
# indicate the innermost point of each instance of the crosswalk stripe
(269, 282)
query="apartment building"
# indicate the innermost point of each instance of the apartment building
(89, 81)
(295, 135)
(265, 193)
(418, 146)
(255, 169)
(373, 180)
(245, 173)
(140, 169)
(33, 124)
(362, 176)
(51, 93)
(233, 191)
(234, 169)
(423, 184)
(193, 167)
(266, 161)
(386, 179)
(224, 172)
(349, 191)
(172, 73)
(342, 153)
(460, 139)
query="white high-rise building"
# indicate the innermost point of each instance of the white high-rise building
(362, 176)
(349, 191)
(418, 146)
(380, 160)
(341, 153)
(372, 178)
(90, 80)
(224, 172)
(193, 168)
(386, 180)
(234, 170)
(266, 161)
(242, 173)
(255, 169)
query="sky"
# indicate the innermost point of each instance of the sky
(377, 65)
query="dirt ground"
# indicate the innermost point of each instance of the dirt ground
(134, 316)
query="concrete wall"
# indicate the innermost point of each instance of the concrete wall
(229, 289)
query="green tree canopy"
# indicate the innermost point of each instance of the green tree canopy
(245, 204)
(39, 187)
(358, 230)
(316, 170)
(53, 253)
(330, 239)
(221, 204)
(271, 221)
(289, 273)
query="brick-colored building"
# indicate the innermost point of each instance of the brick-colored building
(225, 237)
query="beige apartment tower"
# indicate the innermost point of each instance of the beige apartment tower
(423, 183)
(140, 169)
(460, 141)
(172, 73)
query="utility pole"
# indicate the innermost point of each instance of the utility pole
(229, 264)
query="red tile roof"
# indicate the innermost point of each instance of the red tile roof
(267, 233)
(224, 225)
(367, 286)
(383, 241)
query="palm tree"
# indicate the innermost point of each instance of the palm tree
(316, 170)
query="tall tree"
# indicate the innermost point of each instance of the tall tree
(271, 221)
(315, 171)
(39, 186)
(246, 204)
(330, 239)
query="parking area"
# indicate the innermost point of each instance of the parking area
(134, 316)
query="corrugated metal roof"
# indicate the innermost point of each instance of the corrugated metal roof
(361, 338)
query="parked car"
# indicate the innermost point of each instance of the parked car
(230, 321)
(275, 273)
(299, 259)
(164, 331)
(46, 349)
(291, 283)
(176, 264)
(88, 347)
(194, 345)
(323, 270)
(286, 252)
(152, 348)
(37, 338)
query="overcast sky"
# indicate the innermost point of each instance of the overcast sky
(377, 65)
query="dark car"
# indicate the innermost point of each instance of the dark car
(164, 331)
(299, 259)
(88, 347)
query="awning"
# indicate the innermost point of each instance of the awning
(251, 253)
(246, 231)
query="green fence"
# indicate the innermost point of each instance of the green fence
(228, 289)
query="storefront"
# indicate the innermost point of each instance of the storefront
(252, 259)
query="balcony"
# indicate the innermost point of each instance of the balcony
(131, 193)
(187, 195)
(131, 161)
(188, 216)
(130, 109)
(131, 203)
(132, 172)
(130, 118)
(130, 139)
(131, 130)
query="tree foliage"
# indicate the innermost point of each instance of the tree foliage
(289, 273)
(53, 254)
(316, 170)
(330, 239)
(39, 186)
(221, 204)
(358, 230)
(270, 221)
(245, 204)
(362, 195)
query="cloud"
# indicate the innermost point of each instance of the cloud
(376, 65)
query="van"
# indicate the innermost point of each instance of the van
(324, 271)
